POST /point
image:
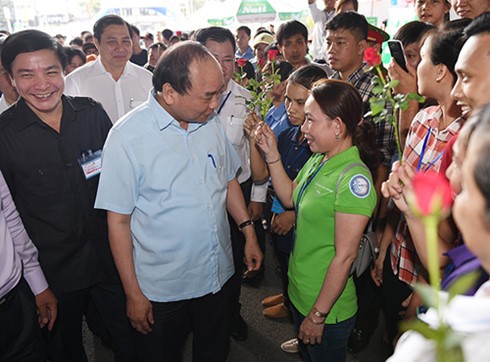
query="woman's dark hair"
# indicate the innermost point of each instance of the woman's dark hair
(446, 43)
(337, 98)
(307, 75)
(413, 32)
(27, 41)
(481, 171)
(71, 52)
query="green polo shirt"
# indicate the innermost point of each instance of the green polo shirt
(314, 246)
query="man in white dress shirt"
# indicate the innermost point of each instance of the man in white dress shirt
(232, 111)
(112, 79)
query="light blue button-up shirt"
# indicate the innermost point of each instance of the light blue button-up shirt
(173, 182)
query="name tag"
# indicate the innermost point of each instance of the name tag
(91, 163)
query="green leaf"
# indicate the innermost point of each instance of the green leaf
(415, 97)
(393, 84)
(403, 105)
(378, 89)
(377, 105)
(463, 284)
(427, 293)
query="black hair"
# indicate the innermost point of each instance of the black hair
(291, 28)
(135, 30)
(337, 98)
(107, 20)
(353, 22)
(71, 52)
(174, 66)
(215, 33)
(167, 33)
(283, 69)
(307, 75)
(88, 46)
(158, 45)
(412, 32)
(446, 43)
(341, 3)
(78, 41)
(27, 41)
(480, 24)
(246, 29)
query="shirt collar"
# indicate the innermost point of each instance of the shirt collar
(363, 69)
(165, 119)
(26, 117)
(100, 69)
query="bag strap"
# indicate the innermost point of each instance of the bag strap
(369, 226)
(347, 169)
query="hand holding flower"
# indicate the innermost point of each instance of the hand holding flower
(266, 140)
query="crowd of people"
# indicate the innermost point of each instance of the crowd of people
(139, 188)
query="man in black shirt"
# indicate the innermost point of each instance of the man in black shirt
(50, 148)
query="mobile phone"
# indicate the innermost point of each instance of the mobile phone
(397, 52)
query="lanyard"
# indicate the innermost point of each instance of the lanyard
(224, 101)
(422, 154)
(306, 184)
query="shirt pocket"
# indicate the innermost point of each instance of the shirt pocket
(234, 130)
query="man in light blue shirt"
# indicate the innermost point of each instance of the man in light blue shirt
(168, 179)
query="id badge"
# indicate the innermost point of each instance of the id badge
(91, 163)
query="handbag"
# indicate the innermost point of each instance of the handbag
(368, 247)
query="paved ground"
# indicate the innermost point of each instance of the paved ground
(265, 336)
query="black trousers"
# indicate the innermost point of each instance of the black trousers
(394, 292)
(20, 335)
(65, 340)
(238, 244)
(205, 317)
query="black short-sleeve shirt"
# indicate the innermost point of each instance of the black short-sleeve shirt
(53, 197)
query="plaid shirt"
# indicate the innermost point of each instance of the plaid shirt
(404, 259)
(385, 135)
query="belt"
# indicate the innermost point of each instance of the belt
(5, 300)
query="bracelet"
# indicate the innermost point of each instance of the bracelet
(275, 161)
(245, 224)
(312, 321)
(318, 313)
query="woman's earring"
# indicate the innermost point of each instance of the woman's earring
(337, 136)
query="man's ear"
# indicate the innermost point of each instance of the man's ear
(361, 47)
(168, 94)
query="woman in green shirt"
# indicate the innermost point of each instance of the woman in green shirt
(334, 198)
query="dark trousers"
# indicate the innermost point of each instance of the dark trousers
(369, 303)
(394, 292)
(333, 347)
(20, 335)
(205, 317)
(238, 244)
(283, 260)
(65, 340)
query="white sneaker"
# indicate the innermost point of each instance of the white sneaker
(291, 346)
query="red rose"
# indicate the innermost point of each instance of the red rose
(241, 62)
(272, 55)
(372, 57)
(432, 193)
(261, 63)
